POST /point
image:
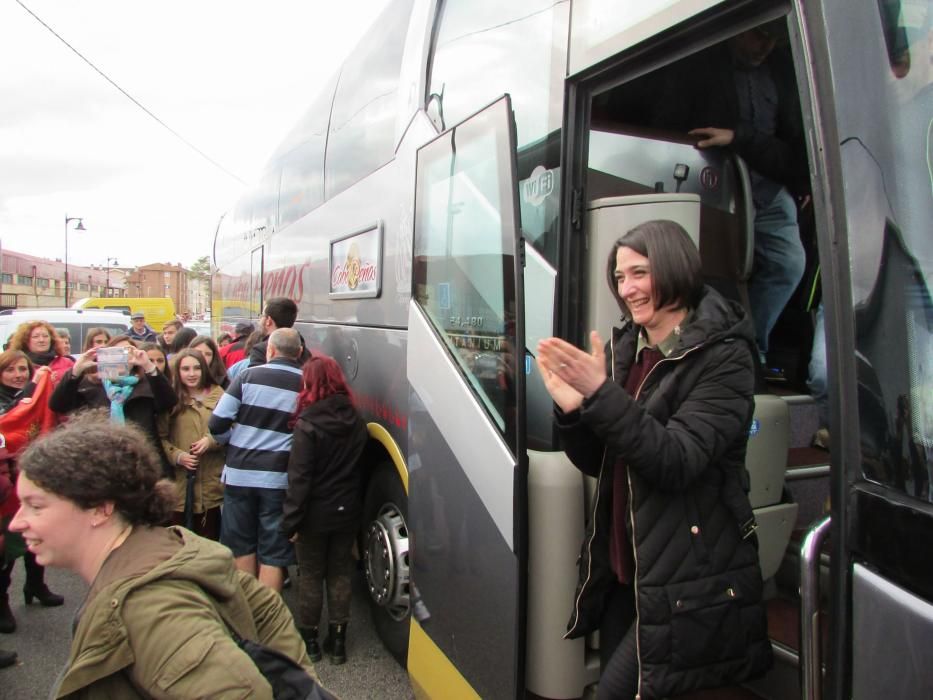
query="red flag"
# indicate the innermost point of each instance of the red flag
(31, 416)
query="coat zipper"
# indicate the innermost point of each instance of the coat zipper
(589, 550)
(631, 505)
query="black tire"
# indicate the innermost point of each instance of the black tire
(385, 501)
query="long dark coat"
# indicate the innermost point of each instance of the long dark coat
(700, 617)
(324, 478)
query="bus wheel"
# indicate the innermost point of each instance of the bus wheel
(385, 559)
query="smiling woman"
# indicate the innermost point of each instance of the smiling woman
(41, 343)
(93, 503)
(663, 420)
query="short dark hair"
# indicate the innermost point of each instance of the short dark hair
(91, 461)
(184, 336)
(676, 272)
(282, 310)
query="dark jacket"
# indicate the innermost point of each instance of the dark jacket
(147, 336)
(706, 96)
(324, 481)
(700, 616)
(150, 397)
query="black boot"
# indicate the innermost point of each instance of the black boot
(7, 621)
(336, 643)
(309, 634)
(35, 584)
(7, 658)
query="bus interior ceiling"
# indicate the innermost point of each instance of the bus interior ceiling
(639, 145)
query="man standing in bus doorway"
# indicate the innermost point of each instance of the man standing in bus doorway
(279, 312)
(253, 418)
(139, 331)
(749, 90)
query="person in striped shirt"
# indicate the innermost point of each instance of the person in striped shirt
(253, 419)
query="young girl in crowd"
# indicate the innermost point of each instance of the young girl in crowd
(206, 346)
(96, 338)
(188, 444)
(323, 503)
(158, 357)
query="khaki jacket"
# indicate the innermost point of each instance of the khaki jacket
(177, 432)
(157, 627)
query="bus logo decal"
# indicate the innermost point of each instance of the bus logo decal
(356, 264)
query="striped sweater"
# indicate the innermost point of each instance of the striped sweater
(252, 418)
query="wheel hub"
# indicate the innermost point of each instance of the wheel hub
(386, 562)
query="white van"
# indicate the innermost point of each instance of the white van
(77, 321)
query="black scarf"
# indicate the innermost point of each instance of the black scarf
(42, 359)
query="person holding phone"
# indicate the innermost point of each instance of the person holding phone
(140, 402)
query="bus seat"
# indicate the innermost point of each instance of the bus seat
(766, 462)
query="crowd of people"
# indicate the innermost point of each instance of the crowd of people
(189, 475)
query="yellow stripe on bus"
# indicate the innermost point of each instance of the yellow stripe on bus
(431, 672)
(382, 436)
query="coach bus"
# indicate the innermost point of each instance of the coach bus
(447, 200)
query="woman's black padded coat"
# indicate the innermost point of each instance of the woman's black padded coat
(700, 616)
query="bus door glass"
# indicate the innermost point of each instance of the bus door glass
(466, 369)
(880, 63)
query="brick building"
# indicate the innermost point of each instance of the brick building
(31, 281)
(160, 280)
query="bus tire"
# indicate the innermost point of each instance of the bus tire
(386, 559)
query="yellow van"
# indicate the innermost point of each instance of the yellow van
(158, 310)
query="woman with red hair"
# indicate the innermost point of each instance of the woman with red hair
(323, 503)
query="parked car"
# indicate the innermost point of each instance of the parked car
(200, 327)
(77, 321)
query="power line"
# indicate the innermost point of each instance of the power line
(131, 98)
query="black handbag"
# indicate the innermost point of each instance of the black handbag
(288, 679)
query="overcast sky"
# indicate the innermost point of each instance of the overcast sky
(230, 76)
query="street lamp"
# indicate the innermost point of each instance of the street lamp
(115, 264)
(79, 227)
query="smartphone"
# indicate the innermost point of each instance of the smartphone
(113, 363)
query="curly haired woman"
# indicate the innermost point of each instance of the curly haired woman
(44, 348)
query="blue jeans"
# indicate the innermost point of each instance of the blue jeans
(818, 373)
(779, 263)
